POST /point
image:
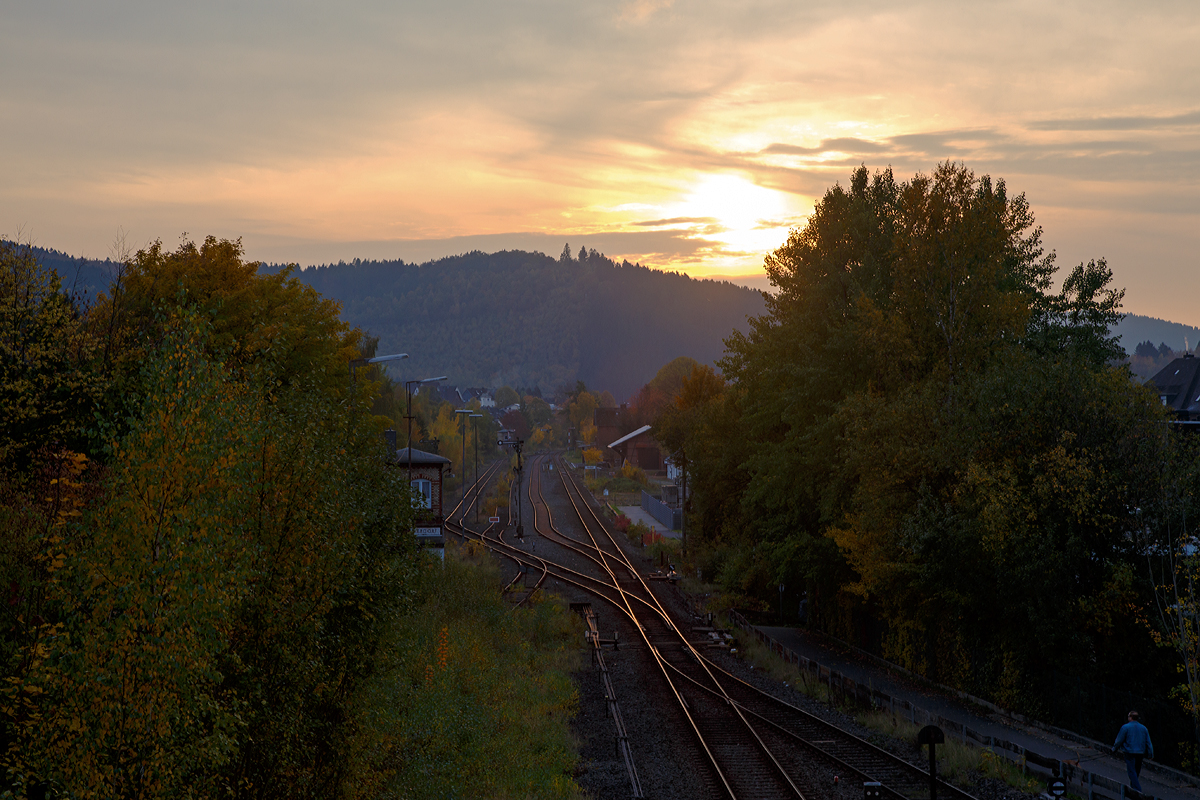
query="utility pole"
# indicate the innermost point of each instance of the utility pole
(362, 362)
(408, 388)
(516, 446)
(464, 411)
(475, 427)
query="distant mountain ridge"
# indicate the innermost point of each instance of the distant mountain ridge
(526, 319)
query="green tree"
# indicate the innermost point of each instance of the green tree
(1169, 524)
(507, 396)
(209, 618)
(48, 386)
(936, 435)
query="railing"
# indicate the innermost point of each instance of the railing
(848, 690)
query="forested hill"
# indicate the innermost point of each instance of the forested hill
(526, 319)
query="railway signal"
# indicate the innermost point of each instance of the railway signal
(931, 735)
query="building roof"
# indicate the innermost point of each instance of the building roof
(1178, 385)
(419, 457)
(627, 437)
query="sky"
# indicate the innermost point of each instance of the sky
(688, 136)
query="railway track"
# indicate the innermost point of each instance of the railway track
(747, 743)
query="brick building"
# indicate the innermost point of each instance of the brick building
(426, 470)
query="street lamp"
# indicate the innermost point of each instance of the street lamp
(408, 389)
(464, 452)
(475, 427)
(362, 362)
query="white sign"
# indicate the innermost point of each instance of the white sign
(434, 532)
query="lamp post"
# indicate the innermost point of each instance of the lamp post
(408, 388)
(464, 411)
(362, 362)
(475, 428)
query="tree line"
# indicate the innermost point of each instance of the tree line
(207, 559)
(938, 457)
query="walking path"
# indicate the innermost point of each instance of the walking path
(1081, 756)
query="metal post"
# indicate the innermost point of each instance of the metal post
(475, 427)
(683, 502)
(362, 362)
(932, 736)
(464, 454)
(408, 387)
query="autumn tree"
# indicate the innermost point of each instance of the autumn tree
(937, 435)
(272, 323)
(211, 615)
(581, 413)
(197, 597)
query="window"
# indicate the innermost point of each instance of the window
(424, 491)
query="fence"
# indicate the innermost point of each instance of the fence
(1095, 787)
(671, 518)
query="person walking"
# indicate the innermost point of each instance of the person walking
(1133, 742)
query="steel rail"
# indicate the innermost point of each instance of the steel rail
(602, 590)
(623, 561)
(896, 762)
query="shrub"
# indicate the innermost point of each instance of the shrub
(622, 523)
(478, 698)
(637, 532)
(634, 473)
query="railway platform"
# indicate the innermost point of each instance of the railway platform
(1087, 755)
(639, 514)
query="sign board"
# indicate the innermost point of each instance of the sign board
(930, 734)
(1057, 788)
(429, 531)
(493, 520)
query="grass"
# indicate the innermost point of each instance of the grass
(477, 698)
(958, 762)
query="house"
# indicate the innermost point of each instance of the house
(674, 473)
(639, 449)
(473, 393)
(1178, 386)
(425, 476)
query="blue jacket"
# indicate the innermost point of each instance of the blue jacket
(1133, 738)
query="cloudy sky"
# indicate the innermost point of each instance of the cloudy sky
(685, 135)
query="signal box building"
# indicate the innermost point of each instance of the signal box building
(427, 470)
